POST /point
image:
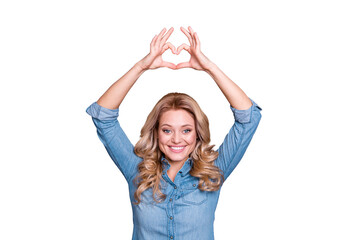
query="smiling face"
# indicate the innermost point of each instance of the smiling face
(177, 135)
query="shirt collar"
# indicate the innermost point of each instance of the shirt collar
(183, 171)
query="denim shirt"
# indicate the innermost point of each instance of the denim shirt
(187, 212)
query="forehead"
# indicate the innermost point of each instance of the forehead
(176, 117)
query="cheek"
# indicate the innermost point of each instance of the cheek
(191, 139)
(162, 139)
(161, 144)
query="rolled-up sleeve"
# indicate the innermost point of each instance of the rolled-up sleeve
(238, 139)
(114, 139)
(101, 113)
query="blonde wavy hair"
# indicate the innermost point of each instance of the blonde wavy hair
(203, 156)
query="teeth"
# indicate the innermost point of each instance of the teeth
(177, 148)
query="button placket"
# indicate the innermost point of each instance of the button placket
(170, 211)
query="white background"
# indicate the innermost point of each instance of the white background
(299, 60)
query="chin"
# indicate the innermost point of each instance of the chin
(171, 157)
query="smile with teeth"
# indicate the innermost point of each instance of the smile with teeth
(177, 149)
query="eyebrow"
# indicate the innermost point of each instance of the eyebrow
(165, 124)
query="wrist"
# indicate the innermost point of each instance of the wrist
(210, 68)
(141, 65)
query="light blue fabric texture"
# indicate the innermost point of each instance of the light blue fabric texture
(187, 212)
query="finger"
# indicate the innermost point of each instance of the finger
(153, 41)
(191, 30)
(197, 41)
(160, 35)
(169, 65)
(162, 32)
(192, 34)
(167, 35)
(183, 65)
(187, 34)
(167, 46)
(173, 48)
(181, 47)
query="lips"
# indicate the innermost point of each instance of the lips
(177, 149)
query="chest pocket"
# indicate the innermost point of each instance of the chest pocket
(146, 196)
(192, 195)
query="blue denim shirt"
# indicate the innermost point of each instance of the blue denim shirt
(187, 212)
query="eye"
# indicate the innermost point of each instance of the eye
(166, 131)
(187, 130)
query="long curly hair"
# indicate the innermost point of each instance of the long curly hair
(203, 156)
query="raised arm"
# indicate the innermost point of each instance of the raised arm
(246, 112)
(233, 93)
(116, 93)
(104, 112)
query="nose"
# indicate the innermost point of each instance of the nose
(176, 138)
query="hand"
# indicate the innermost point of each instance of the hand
(198, 60)
(157, 47)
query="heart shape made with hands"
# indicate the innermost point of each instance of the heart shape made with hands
(159, 45)
(177, 57)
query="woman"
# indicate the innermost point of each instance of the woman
(174, 175)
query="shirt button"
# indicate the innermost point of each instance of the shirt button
(170, 199)
(171, 237)
(171, 218)
(194, 185)
(175, 187)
